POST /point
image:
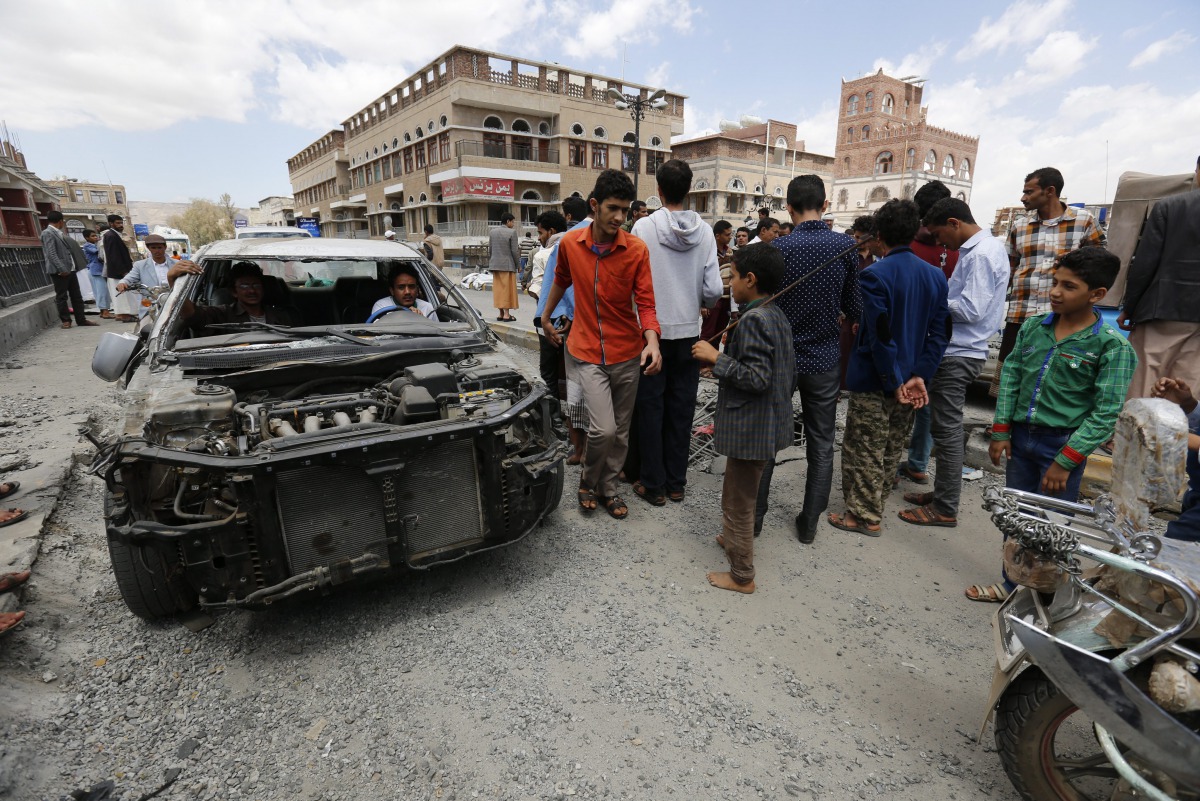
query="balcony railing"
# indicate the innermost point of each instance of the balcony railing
(22, 273)
(501, 150)
(474, 228)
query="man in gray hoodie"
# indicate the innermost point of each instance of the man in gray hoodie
(683, 264)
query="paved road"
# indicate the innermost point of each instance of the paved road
(591, 659)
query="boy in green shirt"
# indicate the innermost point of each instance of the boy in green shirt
(1061, 388)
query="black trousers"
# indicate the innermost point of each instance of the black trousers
(66, 288)
(666, 404)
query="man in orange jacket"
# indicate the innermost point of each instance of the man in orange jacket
(610, 338)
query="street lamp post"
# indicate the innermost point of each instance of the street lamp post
(637, 110)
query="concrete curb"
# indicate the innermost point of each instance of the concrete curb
(515, 336)
(21, 322)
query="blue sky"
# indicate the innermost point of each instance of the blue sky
(193, 100)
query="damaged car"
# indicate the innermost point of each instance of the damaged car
(355, 417)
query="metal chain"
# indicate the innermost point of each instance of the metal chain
(1048, 539)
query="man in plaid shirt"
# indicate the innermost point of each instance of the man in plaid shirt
(1035, 242)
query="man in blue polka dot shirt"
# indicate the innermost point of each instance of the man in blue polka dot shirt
(814, 309)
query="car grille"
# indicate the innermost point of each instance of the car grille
(330, 514)
(440, 488)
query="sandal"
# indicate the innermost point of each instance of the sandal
(918, 498)
(914, 475)
(839, 521)
(989, 594)
(13, 486)
(587, 499)
(652, 498)
(675, 496)
(10, 516)
(10, 580)
(925, 516)
(616, 507)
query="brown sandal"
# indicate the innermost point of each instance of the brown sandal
(918, 498)
(652, 498)
(587, 499)
(675, 496)
(616, 507)
(925, 516)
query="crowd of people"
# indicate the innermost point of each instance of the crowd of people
(635, 307)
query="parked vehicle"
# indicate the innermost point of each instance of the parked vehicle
(1092, 682)
(270, 232)
(257, 461)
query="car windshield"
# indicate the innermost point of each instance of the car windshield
(269, 301)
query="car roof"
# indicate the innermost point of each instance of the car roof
(310, 248)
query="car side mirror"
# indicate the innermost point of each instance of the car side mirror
(113, 354)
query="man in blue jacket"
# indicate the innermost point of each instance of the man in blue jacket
(903, 333)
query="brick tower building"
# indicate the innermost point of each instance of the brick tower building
(886, 148)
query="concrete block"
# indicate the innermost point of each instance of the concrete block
(19, 323)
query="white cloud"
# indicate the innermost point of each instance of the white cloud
(632, 22)
(1063, 50)
(659, 76)
(1021, 23)
(819, 130)
(1156, 50)
(915, 63)
(303, 62)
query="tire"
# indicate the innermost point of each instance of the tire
(148, 577)
(555, 490)
(1030, 720)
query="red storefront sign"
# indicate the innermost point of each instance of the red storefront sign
(477, 187)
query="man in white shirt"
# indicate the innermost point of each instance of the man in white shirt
(150, 271)
(975, 299)
(404, 287)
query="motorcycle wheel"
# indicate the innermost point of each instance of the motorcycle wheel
(1047, 746)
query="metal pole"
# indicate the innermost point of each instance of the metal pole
(637, 143)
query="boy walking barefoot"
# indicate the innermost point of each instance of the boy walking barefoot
(1061, 388)
(754, 402)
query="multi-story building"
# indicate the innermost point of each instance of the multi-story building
(86, 205)
(742, 169)
(471, 136)
(886, 148)
(24, 201)
(274, 210)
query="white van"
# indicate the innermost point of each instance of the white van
(270, 232)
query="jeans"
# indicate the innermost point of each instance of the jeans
(666, 404)
(100, 292)
(947, 397)
(1033, 451)
(818, 405)
(921, 444)
(67, 297)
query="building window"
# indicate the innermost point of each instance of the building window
(889, 104)
(931, 162)
(444, 143)
(429, 126)
(543, 128)
(599, 156)
(733, 203)
(120, 196)
(600, 133)
(493, 145)
(627, 162)
(443, 121)
(850, 134)
(370, 175)
(408, 160)
(521, 126)
(378, 170)
(910, 159)
(629, 138)
(654, 160)
(493, 122)
(883, 163)
(420, 154)
(964, 171)
(395, 143)
(700, 203)
(869, 106)
(387, 168)
(655, 141)
(852, 106)
(99, 197)
(948, 166)
(843, 198)
(396, 165)
(407, 137)
(577, 153)
(866, 132)
(522, 148)
(417, 134)
(577, 129)
(433, 151)
(879, 194)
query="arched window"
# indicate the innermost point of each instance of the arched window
(889, 104)
(781, 150)
(843, 198)
(577, 129)
(931, 162)
(600, 133)
(948, 166)
(910, 159)
(870, 104)
(576, 194)
(429, 126)
(655, 141)
(846, 166)
(531, 194)
(629, 138)
(442, 121)
(866, 132)
(493, 122)
(423, 197)
(852, 106)
(376, 151)
(883, 163)
(395, 143)
(701, 184)
(395, 206)
(653, 202)
(850, 134)
(544, 128)
(962, 196)
(879, 194)
(964, 169)
(418, 133)
(407, 137)
(521, 126)
(410, 200)
(736, 185)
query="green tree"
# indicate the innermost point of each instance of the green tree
(204, 221)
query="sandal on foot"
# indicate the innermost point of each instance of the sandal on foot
(925, 516)
(988, 594)
(839, 521)
(10, 580)
(652, 498)
(918, 498)
(914, 475)
(675, 496)
(587, 499)
(9, 620)
(10, 516)
(616, 507)
(13, 486)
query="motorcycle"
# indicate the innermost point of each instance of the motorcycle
(1095, 692)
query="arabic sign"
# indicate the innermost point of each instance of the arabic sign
(309, 224)
(477, 187)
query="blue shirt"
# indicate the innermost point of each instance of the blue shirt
(95, 266)
(813, 308)
(976, 295)
(566, 306)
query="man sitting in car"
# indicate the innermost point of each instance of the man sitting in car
(402, 280)
(246, 281)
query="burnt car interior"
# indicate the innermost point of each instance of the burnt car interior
(279, 460)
